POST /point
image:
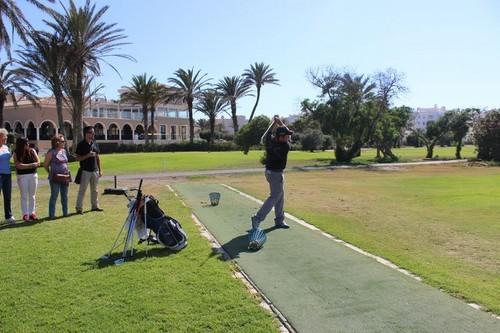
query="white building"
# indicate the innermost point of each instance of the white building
(227, 123)
(421, 116)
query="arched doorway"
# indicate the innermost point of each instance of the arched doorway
(99, 132)
(139, 132)
(19, 130)
(47, 131)
(7, 127)
(31, 131)
(69, 130)
(113, 132)
(126, 132)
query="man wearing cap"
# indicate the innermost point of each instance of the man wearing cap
(277, 148)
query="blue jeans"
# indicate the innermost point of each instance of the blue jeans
(55, 188)
(6, 188)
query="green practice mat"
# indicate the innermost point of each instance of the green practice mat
(322, 286)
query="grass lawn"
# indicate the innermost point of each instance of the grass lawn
(440, 222)
(119, 164)
(53, 281)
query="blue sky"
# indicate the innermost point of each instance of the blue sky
(448, 50)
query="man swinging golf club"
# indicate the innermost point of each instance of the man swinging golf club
(277, 148)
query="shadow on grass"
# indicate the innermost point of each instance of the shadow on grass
(22, 224)
(237, 245)
(105, 261)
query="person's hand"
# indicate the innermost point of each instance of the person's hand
(100, 174)
(92, 154)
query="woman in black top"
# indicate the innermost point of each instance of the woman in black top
(26, 160)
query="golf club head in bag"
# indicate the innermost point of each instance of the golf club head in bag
(256, 239)
(168, 230)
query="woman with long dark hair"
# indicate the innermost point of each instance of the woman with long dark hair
(56, 164)
(26, 160)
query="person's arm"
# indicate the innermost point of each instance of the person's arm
(24, 166)
(33, 151)
(84, 157)
(98, 160)
(48, 159)
(267, 134)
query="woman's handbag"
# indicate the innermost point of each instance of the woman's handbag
(62, 178)
(78, 177)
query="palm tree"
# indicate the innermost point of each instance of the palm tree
(258, 75)
(90, 40)
(159, 95)
(232, 88)
(12, 13)
(211, 104)
(188, 86)
(45, 60)
(141, 91)
(14, 81)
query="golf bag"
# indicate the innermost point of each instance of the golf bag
(168, 230)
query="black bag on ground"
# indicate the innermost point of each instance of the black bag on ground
(167, 229)
(78, 177)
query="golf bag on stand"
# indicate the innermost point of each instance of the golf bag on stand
(144, 214)
(168, 230)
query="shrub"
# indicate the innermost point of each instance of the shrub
(312, 140)
(487, 136)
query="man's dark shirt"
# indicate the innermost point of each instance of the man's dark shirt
(83, 148)
(276, 153)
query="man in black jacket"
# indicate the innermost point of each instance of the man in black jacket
(277, 148)
(87, 153)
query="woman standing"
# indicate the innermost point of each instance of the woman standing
(26, 160)
(5, 176)
(56, 164)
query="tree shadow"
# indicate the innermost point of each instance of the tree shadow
(22, 224)
(237, 245)
(106, 260)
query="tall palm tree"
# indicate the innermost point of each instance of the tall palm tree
(233, 88)
(9, 11)
(211, 104)
(12, 82)
(159, 95)
(259, 74)
(188, 86)
(141, 91)
(90, 40)
(45, 59)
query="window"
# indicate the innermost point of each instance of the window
(171, 113)
(126, 114)
(173, 135)
(183, 114)
(112, 113)
(99, 132)
(183, 133)
(95, 113)
(163, 132)
(102, 113)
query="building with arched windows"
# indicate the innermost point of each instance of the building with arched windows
(113, 122)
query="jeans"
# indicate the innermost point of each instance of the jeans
(55, 188)
(276, 198)
(6, 188)
(27, 186)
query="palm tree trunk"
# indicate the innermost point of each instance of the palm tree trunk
(234, 116)
(2, 103)
(256, 103)
(191, 120)
(59, 110)
(77, 116)
(212, 129)
(145, 120)
(153, 123)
